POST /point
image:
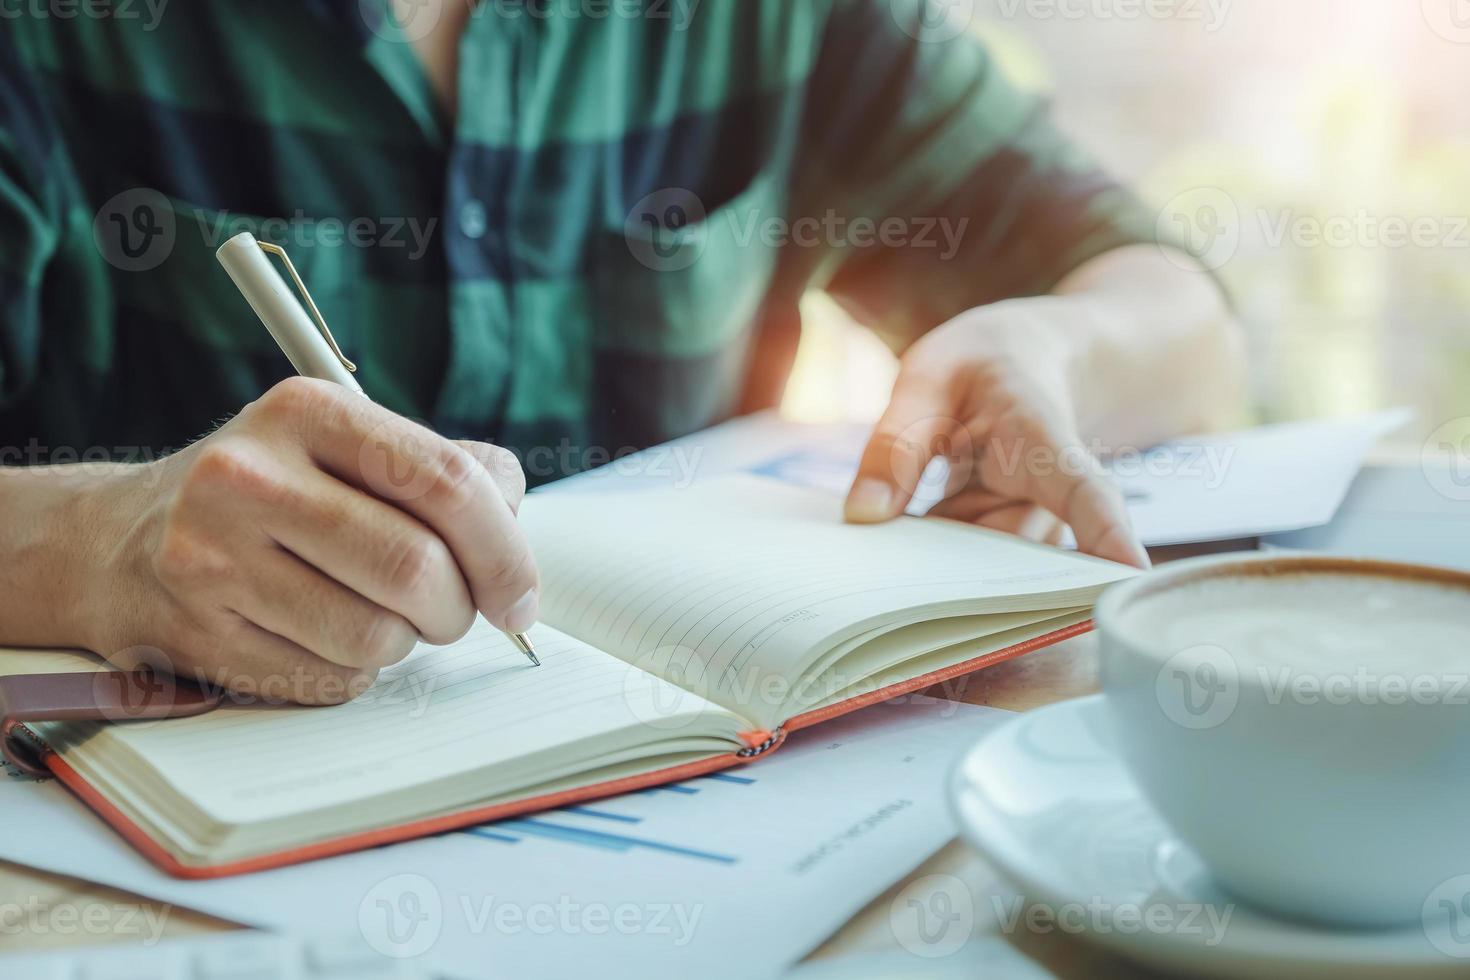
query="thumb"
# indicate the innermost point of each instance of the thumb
(917, 426)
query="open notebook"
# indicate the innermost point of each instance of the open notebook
(683, 631)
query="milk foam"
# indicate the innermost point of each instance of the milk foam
(1312, 622)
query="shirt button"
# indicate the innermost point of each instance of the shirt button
(472, 220)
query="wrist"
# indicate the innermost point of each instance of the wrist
(58, 548)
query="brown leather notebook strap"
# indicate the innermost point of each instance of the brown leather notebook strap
(110, 695)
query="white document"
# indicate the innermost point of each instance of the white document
(1410, 513)
(1242, 484)
(733, 875)
(1202, 488)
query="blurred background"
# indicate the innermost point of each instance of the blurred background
(1318, 153)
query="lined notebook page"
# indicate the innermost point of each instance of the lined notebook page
(442, 711)
(739, 581)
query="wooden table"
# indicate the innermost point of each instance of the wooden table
(1057, 673)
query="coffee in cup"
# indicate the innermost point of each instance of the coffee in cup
(1303, 722)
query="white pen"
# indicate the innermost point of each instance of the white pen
(306, 340)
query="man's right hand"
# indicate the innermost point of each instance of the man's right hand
(305, 545)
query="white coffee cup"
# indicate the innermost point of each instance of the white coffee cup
(1302, 722)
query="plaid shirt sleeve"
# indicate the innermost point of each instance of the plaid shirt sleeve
(918, 124)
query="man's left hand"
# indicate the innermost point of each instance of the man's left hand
(992, 392)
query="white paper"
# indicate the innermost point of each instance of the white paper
(1202, 488)
(712, 878)
(1242, 484)
(1398, 513)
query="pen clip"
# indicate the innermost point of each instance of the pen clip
(316, 314)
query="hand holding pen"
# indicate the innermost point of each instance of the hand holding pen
(469, 553)
(391, 531)
(306, 544)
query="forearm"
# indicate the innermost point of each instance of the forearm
(1151, 348)
(50, 542)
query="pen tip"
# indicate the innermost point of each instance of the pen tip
(523, 643)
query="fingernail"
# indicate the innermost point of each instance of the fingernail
(871, 500)
(1130, 552)
(522, 615)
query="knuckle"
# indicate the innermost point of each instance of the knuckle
(291, 396)
(451, 630)
(412, 564)
(512, 572)
(1012, 428)
(507, 466)
(386, 639)
(301, 406)
(462, 625)
(182, 557)
(231, 465)
(454, 484)
(988, 373)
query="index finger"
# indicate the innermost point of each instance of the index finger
(438, 482)
(914, 430)
(1075, 490)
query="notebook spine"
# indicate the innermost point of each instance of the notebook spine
(764, 747)
(26, 751)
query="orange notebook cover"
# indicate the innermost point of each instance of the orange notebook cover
(758, 744)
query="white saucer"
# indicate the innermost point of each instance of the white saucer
(1049, 804)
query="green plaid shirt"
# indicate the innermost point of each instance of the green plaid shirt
(605, 249)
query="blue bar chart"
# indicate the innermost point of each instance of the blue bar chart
(611, 825)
